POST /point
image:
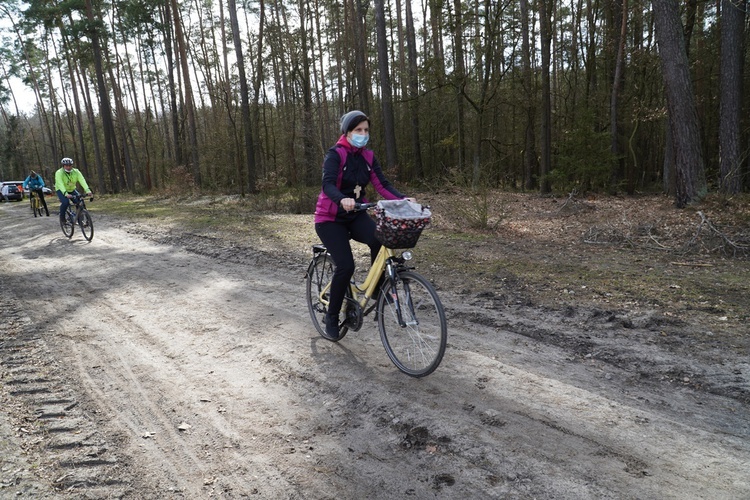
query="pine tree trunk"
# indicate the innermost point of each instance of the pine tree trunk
(244, 98)
(386, 90)
(681, 108)
(459, 78)
(105, 111)
(546, 124)
(411, 43)
(189, 105)
(730, 108)
(529, 152)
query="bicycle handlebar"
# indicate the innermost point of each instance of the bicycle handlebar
(364, 206)
(78, 196)
(367, 206)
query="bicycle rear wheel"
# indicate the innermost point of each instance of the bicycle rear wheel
(66, 223)
(319, 275)
(417, 347)
(86, 224)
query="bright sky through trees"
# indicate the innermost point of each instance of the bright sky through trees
(24, 95)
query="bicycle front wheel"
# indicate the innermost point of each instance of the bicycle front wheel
(319, 275)
(86, 224)
(416, 341)
(66, 223)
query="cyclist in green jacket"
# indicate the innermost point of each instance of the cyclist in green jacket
(66, 179)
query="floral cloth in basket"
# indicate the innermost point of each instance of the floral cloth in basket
(399, 223)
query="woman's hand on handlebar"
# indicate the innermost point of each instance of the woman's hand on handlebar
(348, 204)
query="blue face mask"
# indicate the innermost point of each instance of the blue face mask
(358, 141)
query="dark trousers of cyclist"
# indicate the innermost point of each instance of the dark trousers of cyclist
(335, 236)
(64, 202)
(41, 198)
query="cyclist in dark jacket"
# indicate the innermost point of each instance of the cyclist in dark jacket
(34, 183)
(347, 170)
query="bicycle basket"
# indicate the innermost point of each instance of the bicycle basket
(399, 223)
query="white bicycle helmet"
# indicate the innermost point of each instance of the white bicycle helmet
(66, 161)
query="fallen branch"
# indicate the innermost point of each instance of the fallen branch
(659, 245)
(726, 243)
(571, 197)
(691, 264)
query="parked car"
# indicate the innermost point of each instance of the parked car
(11, 192)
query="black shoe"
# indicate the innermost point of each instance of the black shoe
(332, 332)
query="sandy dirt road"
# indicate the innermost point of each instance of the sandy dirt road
(160, 364)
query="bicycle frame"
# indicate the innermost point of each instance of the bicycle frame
(36, 202)
(364, 291)
(367, 287)
(77, 203)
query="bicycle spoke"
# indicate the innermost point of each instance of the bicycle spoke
(416, 341)
(66, 223)
(319, 276)
(86, 224)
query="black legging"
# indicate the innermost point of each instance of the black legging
(41, 198)
(335, 236)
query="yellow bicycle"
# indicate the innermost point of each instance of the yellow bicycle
(410, 316)
(36, 204)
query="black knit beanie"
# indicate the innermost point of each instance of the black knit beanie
(348, 119)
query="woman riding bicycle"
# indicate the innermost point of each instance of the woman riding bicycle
(66, 179)
(347, 169)
(34, 183)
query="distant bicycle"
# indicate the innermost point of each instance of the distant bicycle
(78, 214)
(410, 316)
(36, 204)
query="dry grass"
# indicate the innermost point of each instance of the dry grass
(598, 252)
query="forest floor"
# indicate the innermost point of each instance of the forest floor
(598, 348)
